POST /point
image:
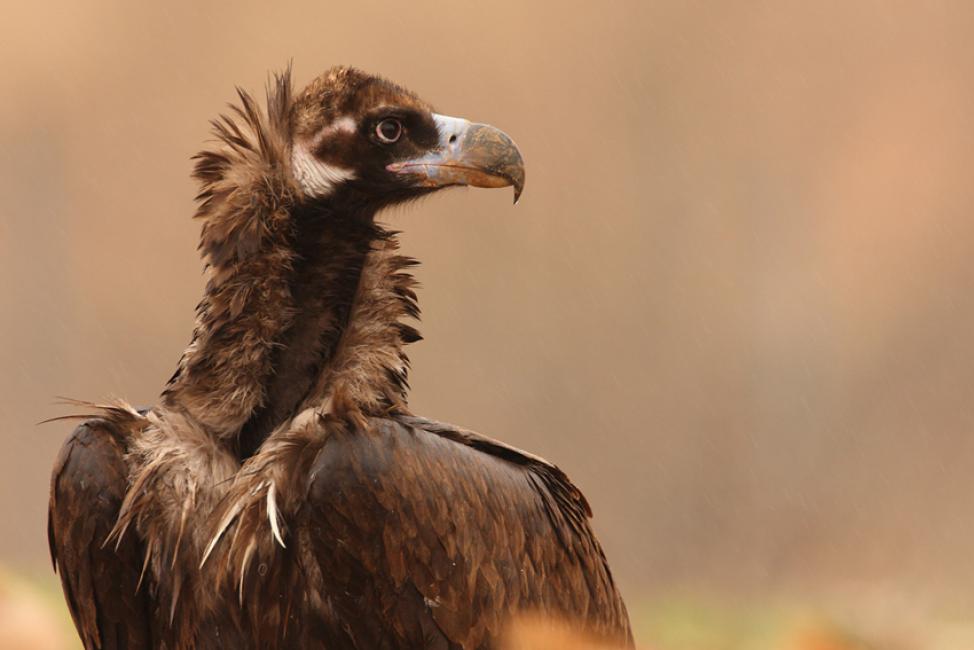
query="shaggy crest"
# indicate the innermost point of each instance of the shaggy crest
(246, 198)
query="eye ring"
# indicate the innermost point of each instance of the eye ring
(388, 130)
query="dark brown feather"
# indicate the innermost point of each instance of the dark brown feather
(99, 579)
(457, 530)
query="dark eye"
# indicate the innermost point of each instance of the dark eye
(388, 130)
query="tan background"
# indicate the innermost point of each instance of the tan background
(735, 302)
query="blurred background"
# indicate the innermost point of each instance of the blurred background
(734, 303)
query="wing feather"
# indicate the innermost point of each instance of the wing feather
(447, 530)
(100, 580)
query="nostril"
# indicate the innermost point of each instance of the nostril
(453, 138)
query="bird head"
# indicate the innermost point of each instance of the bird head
(360, 136)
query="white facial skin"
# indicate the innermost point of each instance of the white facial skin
(316, 178)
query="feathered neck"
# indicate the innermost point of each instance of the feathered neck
(303, 302)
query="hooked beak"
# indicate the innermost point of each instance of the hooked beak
(467, 154)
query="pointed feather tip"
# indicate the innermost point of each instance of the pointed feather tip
(60, 400)
(210, 547)
(231, 515)
(273, 515)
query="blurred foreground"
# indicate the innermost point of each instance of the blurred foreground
(33, 617)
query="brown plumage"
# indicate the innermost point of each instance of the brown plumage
(281, 494)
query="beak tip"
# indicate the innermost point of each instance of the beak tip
(517, 179)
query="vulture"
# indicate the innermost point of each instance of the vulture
(281, 494)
